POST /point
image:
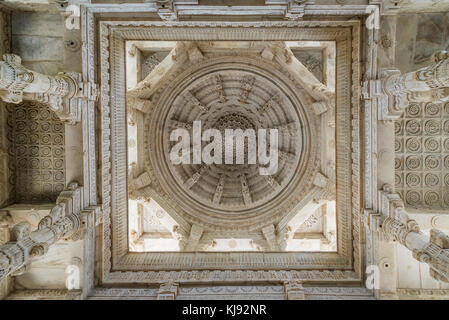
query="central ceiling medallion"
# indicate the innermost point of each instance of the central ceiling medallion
(232, 93)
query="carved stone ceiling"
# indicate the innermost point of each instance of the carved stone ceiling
(422, 155)
(229, 207)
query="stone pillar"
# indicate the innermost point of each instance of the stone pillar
(66, 220)
(395, 90)
(396, 225)
(64, 92)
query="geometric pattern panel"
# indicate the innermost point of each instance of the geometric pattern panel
(120, 265)
(36, 138)
(422, 155)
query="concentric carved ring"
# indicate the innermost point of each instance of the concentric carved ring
(233, 93)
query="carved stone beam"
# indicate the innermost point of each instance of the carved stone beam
(178, 228)
(177, 57)
(395, 225)
(135, 105)
(287, 233)
(66, 220)
(394, 91)
(282, 54)
(269, 233)
(137, 184)
(196, 232)
(64, 92)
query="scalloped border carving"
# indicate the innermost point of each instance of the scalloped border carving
(119, 266)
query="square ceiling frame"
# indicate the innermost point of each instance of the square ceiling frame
(105, 41)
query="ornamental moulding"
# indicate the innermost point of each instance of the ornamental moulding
(119, 266)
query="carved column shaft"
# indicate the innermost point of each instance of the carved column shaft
(397, 226)
(62, 92)
(394, 91)
(16, 80)
(431, 77)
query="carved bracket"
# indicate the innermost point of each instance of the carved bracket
(295, 9)
(65, 93)
(394, 91)
(166, 10)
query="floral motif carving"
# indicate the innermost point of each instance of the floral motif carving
(37, 139)
(425, 155)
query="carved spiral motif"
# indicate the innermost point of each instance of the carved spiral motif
(432, 162)
(398, 163)
(413, 180)
(446, 127)
(413, 145)
(446, 162)
(446, 144)
(431, 198)
(432, 145)
(432, 180)
(432, 127)
(414, 110)
(398, 127)
(397, 180)
(446, 179)
(413, 127)
(397, 145)
(413, 162)
(432, 109)
(446, 199)
(413, 198)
